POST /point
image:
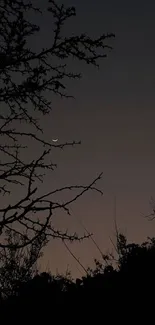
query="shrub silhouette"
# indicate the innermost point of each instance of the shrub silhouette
(102, 289)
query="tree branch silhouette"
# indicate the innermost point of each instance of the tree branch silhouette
(17, 266)
(27, 77)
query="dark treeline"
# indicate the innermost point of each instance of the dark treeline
(123, 289)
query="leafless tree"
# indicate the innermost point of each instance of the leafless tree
(17, 266)
(26, 79)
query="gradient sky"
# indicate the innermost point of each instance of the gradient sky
(113, 115)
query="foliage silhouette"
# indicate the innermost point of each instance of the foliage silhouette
(104, 288)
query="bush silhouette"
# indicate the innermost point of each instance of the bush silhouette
(105, 288)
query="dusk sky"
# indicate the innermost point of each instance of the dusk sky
(113, 115)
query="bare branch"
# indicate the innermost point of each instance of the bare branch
(27, 77)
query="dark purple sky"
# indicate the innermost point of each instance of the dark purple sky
(113, 115)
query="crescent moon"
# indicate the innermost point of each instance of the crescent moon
(54, 140)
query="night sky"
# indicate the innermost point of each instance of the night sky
(113, 115)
